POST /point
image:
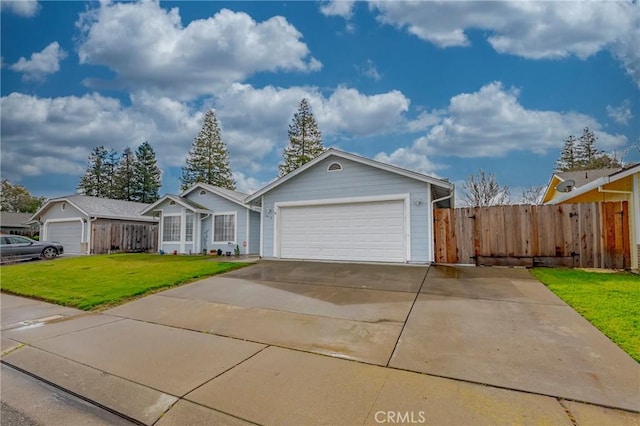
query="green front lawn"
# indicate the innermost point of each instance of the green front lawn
(88, 282)
(609, 301)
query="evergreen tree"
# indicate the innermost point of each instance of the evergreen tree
(568, 160)
(208, 160)
(95, 179)
(581, 154)
(305, 140)
(124, 178)
(586, 149)
(147, 175)
(110, 165)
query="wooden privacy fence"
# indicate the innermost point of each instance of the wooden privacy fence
(589, 235)
(117, 236)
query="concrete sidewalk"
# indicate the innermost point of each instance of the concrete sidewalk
(242, 348)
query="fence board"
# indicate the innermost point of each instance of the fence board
(585, 235)
(109, 236)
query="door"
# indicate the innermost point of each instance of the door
(69, 234)
(367, 231)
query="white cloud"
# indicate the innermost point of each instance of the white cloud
(149, 48)
(621, 114)
(492, 123)
(342, 8)
(531, 29)
(25, 8)
(246, 183)
(41, 63)
(370, 70)
(43, 135)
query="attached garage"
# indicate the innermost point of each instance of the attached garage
(343, 207)
(67, 233)
(363, 231)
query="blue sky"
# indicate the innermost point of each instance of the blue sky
(441, 88)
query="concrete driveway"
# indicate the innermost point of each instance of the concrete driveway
(274, 343)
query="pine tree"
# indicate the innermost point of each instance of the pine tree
(568, 160)
(208, 160)
(305, 140)
(586, 149)
(95, 179)
(581, 154)
(110, 165)
(147, 175)
(124, 178)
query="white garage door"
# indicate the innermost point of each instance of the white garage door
(372, 231)
(69, 234)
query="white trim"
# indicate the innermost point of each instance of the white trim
(429, 204)
(183, 229)
(162, 234)
(594, 184)
(214, 190)
(53, 201)
(235, 227)
(348, 200)
(260, 251)
(246, 240)
(356, 158)
(62, 220)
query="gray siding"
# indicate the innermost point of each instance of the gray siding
(254, 233)
(54, 211)
(218, 204)
(355, 180)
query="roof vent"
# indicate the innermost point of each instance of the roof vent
(334, 167)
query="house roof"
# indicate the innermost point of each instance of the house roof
(448, 186)
(582, 177)
(14, 220)
(185, 202)
(233, 196)
(612, 175)
(104, 208)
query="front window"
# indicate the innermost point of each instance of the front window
(224, 228)
(189, 236)
(171, 228)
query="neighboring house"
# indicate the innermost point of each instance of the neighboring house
(91, 225)
(206, 217)
(341, 206)
(16, 224)
(621, 184)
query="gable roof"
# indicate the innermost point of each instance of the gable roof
(185, 202)
(104, 208)
(233, 196)
(14, 220)
(583, 177)
(356, 158)
(604, 179)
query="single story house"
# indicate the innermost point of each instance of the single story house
(16, 224)
(206, 217)
(92, 225)
(341, 206)
(602, 185)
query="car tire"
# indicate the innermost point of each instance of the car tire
(49, 253)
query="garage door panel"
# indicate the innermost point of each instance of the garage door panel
(69, 234)
(372, 231)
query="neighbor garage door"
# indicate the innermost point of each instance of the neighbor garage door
(372, 231)
(69, 234)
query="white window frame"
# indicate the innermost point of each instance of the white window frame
(178, 215)
(235, 227)
(193, 225)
